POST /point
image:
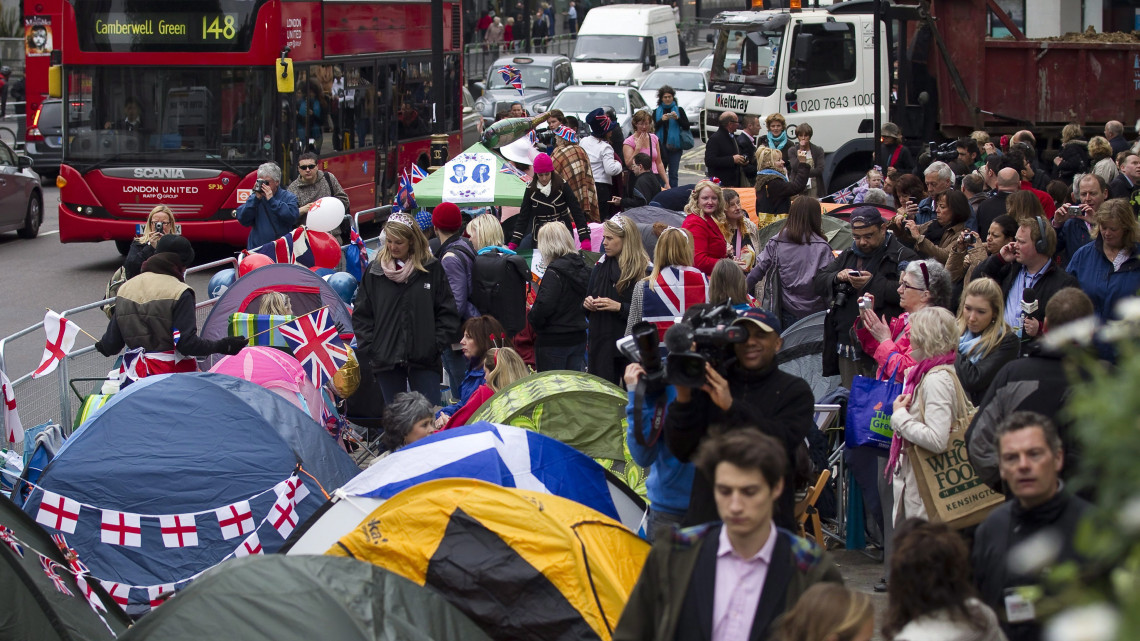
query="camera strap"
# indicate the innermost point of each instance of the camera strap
(658, 422)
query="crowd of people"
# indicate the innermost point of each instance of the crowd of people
(919, 298)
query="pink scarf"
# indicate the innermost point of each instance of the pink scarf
(397, 274)
(917, 373)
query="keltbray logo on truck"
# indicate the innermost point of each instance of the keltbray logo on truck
(729, 101)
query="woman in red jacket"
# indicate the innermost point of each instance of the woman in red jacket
(705, 222)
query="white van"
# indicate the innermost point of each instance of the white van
(621, 43)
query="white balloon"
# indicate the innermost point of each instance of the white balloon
(325, 214)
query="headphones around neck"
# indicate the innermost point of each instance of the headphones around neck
(1042, 245)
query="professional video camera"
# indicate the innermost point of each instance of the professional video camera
(945, 152)
(545, 136)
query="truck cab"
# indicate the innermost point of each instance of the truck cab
(813, 66)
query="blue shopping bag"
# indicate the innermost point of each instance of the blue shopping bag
(869, 411)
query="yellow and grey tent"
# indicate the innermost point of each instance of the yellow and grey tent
(522, 565)
(581, 410)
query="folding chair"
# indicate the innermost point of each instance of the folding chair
(805, 509)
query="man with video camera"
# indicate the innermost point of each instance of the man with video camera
(748, 390)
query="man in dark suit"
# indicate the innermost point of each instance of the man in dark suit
(723, 158)
(1125, 181)
(730, 580)
(746, 140)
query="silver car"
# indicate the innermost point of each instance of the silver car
(581, 100)
(21, 199)
(689, 83)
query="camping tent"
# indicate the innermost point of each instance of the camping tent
(34, 607)
(277, 372)
(802, 351)
(181, 471)
(523, 565)
(307, 292)
(508, 188)
(270, 598)
(500, 454)
(836, 230)
(645, 217)
(581, 410)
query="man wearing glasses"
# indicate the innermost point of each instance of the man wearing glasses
(723, 159)
(312, 184)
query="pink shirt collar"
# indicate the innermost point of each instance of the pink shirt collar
(764, 554)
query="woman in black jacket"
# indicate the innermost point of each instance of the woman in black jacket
(548, 199)
(774, 187)
(987, 342)
(609, 293)
(557, 316)
(1074, 157)
(159, 222)
(405, 315)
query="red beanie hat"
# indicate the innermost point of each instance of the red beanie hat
(446, 216)
(543, 164)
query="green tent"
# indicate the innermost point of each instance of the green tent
(275, 597)
(33, 607)
(836, 230)
(508, 187)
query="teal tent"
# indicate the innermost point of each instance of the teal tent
(508, 188)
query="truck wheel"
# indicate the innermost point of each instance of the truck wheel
(124, 246)
(32, 220)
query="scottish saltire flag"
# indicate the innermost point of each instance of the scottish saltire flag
(256, 327)
(512, 77)
(500, 454)
(316, 345)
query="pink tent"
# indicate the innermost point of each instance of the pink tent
(276, 371)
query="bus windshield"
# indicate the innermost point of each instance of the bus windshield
(751, 57)
(182, 114)
(609, 49)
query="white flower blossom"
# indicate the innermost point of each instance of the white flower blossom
(1079, 332)
(1128, 309)
(1033, 555)
(1096, 622)
(1129, 516)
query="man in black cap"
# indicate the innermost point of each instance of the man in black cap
(154, 311)
(869, 266)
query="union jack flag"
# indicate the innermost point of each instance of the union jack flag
(49, 567)
(844, 196)
(405, 196)
(69, 553)
(508, 168)
(417, 174)
(177, 336)
(134, 367)
(7, 537)
(512, 77)
(316, 345)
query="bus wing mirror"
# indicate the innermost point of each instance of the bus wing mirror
(284, 75)
(55, 81)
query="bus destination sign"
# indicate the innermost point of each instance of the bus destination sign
(165, 28)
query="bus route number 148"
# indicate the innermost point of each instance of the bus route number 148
(221, 27)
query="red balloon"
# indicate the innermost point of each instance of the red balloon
(326, 251)
(252, 262)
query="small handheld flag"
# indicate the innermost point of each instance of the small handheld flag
(316, 345)
(512, 77)
(61, 334)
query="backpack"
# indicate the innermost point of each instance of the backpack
(498, 286)
(113, 285)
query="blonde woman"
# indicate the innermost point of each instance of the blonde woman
(485, 231)
(274, 304)
(774, 188)
(705, 222)
(1074, 156)
(557, 317)
(829, 612)
(503, 366)
(405, 314)
(644, 141)
(609, 293)
(740, 233)
(159, 222)
(987, 342)
(672, 287)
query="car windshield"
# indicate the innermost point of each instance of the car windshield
(181, 113)
(533, 77)
(747, 56)
(586, 101)
(678, 80)
(609, 49)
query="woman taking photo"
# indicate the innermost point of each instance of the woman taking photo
(503, 366)
(405, 315)
(644, 141)
(548, 199)
(705, 221)
(908, 192)
(672, 287)
(609, 293)
(925, 283)
(814, 159)
(1108, 268)
(969, 252)
(740, 232)
(931, 595)
(774, 187)
(951, 211)
(556, 316)
(931, 401)
(987, 342)
(670, 120)
(480, 335)
(159, 222)
(798, 252)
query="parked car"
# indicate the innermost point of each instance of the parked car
(472, 120)
(43, 143)
(544, 76)
(579, 101)
(21, 197)
(706, 62)
(690, 83)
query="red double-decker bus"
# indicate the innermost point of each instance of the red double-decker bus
(177, 103)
